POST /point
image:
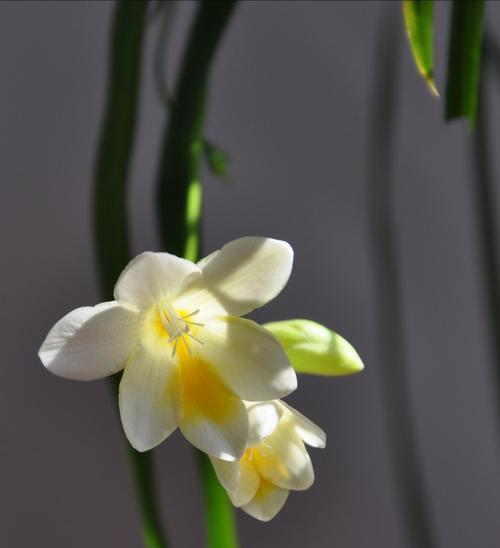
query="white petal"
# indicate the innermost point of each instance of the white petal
(213, 418)
(149, 399)
(249, 358)
(151, 277)
(264, 418)
(90, 342)
(268, 501)
(240, 479)
(203, 262)
(282, 459)
(310, 433)
(246, 274)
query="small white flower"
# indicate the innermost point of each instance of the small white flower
(189, 359)
(275, 462)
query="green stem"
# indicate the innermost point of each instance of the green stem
(219, 514)
(180, 201)
(403, 446)
(179, 187)
(110, 212)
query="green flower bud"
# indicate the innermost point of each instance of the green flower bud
(313, 348)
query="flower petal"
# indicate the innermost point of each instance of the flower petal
(203, 262)
(213, 418)
(246, 273)
(282, 459)
(151, 277)
(310, 433)
(90, 342)
(268, 501)
(149, 397)
(250, 359)
(240, 479)
(264, 418)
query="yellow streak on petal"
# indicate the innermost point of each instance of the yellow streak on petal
(205, 394)
(153, 334)
(265, 488)
(266, 459)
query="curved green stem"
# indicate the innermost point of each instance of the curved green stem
(179, 187)
(110, 215)
(180, 201)
(160, 78)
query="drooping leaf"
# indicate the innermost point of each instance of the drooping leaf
(464, 59)
(419, 20)
(313, 348)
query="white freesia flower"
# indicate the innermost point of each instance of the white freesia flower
(188, 359)
(275, 462)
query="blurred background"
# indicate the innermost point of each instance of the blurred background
(291, 97)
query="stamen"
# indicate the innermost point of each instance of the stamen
(186, 345)
(195, 338)
(189, 315)
(175, 346)
(177, 327)
(192, 323)
(164, 319)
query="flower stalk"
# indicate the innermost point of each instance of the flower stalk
(180, 204)
(110, 212)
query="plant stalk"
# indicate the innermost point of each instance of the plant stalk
(110, 209)
(180, 205)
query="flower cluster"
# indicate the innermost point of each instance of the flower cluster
(190, 361)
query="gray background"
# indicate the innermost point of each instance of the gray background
(290, 99)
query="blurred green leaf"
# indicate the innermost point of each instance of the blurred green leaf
(419, 19)
(218, 160)
(315, 349)
(464, 59)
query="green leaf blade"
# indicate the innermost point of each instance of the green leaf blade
(419, 20)
(464, 59)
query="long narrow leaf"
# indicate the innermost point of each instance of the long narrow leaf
(419, 21)
(464, 59)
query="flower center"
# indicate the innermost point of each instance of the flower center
(179, 326)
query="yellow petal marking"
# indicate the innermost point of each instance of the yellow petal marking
(205, 394)
(265, 459)
(263, 491)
